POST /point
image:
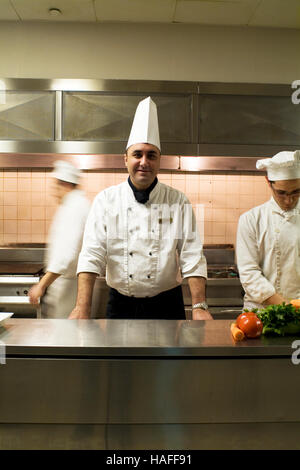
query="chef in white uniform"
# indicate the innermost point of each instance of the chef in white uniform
(268, 237)
(140, 233)
(58, 287)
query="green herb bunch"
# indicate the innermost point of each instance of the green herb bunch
(282, 319)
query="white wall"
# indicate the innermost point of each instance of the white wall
(149, 51)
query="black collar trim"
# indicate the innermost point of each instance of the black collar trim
(142, 196)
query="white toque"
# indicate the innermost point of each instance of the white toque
(283, 166)
(65, 171)
(145, 129)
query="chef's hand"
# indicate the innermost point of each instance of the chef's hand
(35, 293)
(199, 314)
(80, 313)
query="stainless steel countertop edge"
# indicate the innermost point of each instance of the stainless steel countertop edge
(120, 352)
(125, 339)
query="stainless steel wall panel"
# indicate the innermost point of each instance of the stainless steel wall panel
(179, 148)
(196, 118)
(254, 89)
(240, 151)
(27, 116)
(90, 85)
(234, 119)
(103, 117)
(158, 86)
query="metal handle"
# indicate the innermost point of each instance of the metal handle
(14, 299)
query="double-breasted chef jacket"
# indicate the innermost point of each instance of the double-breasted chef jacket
(141, 247)
(64, 245)
(268, 253)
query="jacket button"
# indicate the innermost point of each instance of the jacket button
(150, 253)
(130, 275)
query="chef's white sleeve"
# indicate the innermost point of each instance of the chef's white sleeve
(192, 261)
(255, 284)
(93, 254)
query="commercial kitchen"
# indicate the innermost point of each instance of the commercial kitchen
(224, 78)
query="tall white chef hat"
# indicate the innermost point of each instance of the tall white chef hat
(283, 166)
(65, 171)
(145, 129)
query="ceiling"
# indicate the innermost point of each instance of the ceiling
(264, 13)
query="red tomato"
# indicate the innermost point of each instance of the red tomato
(250, 324)
(243, 317)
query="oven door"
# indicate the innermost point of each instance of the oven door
(14, 296)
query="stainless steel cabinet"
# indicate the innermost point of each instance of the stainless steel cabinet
(196, 118)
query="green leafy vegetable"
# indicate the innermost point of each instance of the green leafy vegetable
(282, 319)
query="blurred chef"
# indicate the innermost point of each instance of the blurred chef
(58, 287)
(268, 237)
(128, 234)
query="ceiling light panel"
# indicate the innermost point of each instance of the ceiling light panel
(277, 14)
(7, 12)
(215, 12)
(135, 10)
(71, 10)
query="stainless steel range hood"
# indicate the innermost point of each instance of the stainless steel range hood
(204, 126)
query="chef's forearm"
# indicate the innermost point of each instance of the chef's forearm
(197, 287)
(275, 299)
(85, 289)
(47, 279)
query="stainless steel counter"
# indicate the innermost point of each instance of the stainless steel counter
(133, 338)
(137, 384)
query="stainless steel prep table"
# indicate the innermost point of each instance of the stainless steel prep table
(145, 384)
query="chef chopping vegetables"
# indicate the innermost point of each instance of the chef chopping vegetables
(268, 237)
(58, 287)
(139, 233)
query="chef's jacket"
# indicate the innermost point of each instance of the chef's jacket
(141, 246)
(268, 253)
(65, 234)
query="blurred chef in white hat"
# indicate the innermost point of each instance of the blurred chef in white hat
(58, 287)
(268, 237)
(141, 266)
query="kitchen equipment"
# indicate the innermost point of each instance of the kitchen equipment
(20, 269)
(224, 292)
(22, 264)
